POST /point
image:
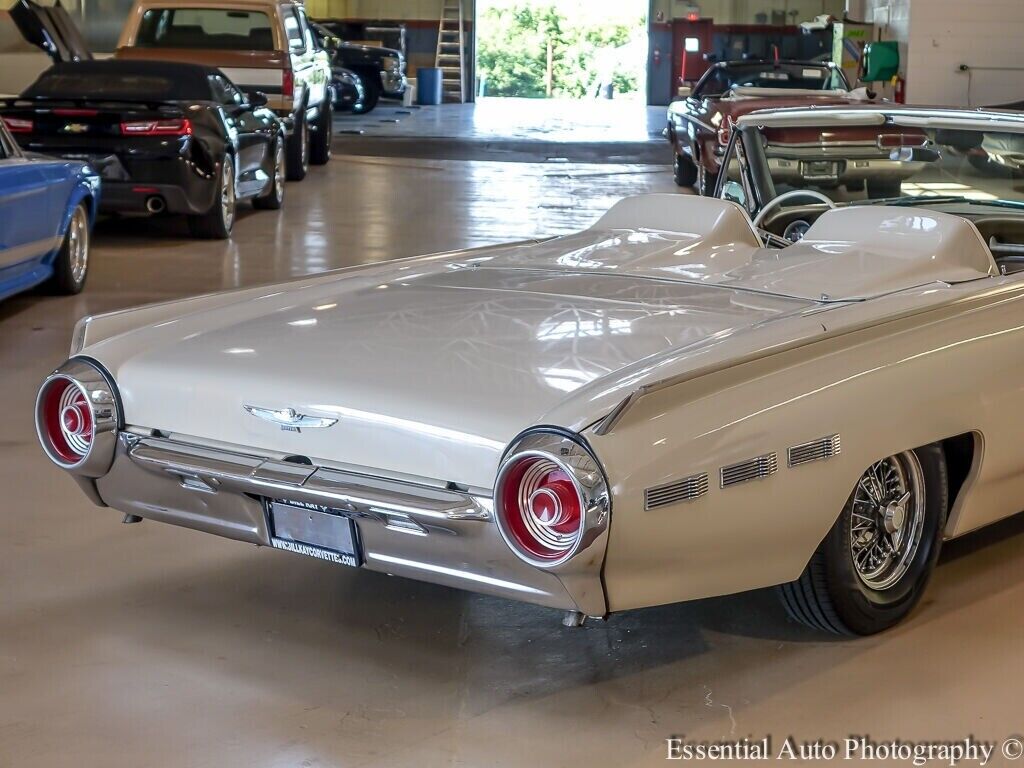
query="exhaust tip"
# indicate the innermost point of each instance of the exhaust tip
(155, 204)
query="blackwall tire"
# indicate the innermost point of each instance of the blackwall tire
(684, 171)
(840, 591)
(371, 95)
(320, 140)
(297, 151)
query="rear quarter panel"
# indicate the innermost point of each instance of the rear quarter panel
(884, 389)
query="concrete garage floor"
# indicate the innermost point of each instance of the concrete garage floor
(148, 645)
(622, 131)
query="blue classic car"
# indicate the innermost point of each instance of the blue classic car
(47, 208)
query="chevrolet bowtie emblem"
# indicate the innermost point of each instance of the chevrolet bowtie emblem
(289, 419)
(76, 128)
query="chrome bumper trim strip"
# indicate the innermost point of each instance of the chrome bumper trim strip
(453, 573)
(198, 468)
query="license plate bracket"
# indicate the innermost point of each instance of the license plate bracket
(821, 169)
(315, 531)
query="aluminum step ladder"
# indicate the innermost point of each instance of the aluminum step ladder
(451, 51)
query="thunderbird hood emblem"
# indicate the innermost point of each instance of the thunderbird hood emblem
(289, 419)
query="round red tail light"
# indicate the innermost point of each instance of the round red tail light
(551, 498)
(67, 423)
(542, 507)
(77, 418)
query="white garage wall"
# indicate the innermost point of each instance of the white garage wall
(937, 36)
(986, 35)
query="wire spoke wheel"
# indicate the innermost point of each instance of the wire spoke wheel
(887, 520)
(874, 564)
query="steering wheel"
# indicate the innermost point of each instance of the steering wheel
(778, 200)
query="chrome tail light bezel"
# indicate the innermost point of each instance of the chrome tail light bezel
(574, 457)
(98, 390)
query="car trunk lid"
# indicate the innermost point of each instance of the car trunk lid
(428, 375)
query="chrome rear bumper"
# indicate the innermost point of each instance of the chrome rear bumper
(848, 166)
(432, 534)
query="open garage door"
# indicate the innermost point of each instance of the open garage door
(561, 49)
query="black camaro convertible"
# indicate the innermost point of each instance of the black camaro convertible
(180, 138)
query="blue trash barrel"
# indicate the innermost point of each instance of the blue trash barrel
(428, 85)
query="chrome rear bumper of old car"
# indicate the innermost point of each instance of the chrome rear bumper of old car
(835, 165)
(428, 533)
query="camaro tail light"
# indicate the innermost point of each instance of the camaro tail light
(181, 127)
(18, 124)
(551, 498)
(288, 83)
(77, 418)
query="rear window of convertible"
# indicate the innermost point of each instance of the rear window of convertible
(208, 28)
(86, 85)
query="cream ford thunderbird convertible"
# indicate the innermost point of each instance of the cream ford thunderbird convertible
(694, 397)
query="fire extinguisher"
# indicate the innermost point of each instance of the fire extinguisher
(899, 89)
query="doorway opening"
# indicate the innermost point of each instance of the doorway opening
(561, 49)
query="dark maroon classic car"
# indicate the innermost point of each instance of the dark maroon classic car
(699, 123)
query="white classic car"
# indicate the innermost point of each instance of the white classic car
(676, 403)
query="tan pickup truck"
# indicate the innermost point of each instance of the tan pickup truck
(261, 45)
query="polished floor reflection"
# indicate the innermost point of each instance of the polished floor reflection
(599, 131)
(148, 645)
(562, 120)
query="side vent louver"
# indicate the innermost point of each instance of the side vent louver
(815, 450)
(687, 489)
(751, 469)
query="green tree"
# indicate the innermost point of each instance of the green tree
(513, 52)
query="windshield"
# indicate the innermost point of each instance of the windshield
(809, 77)
(899, 164)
